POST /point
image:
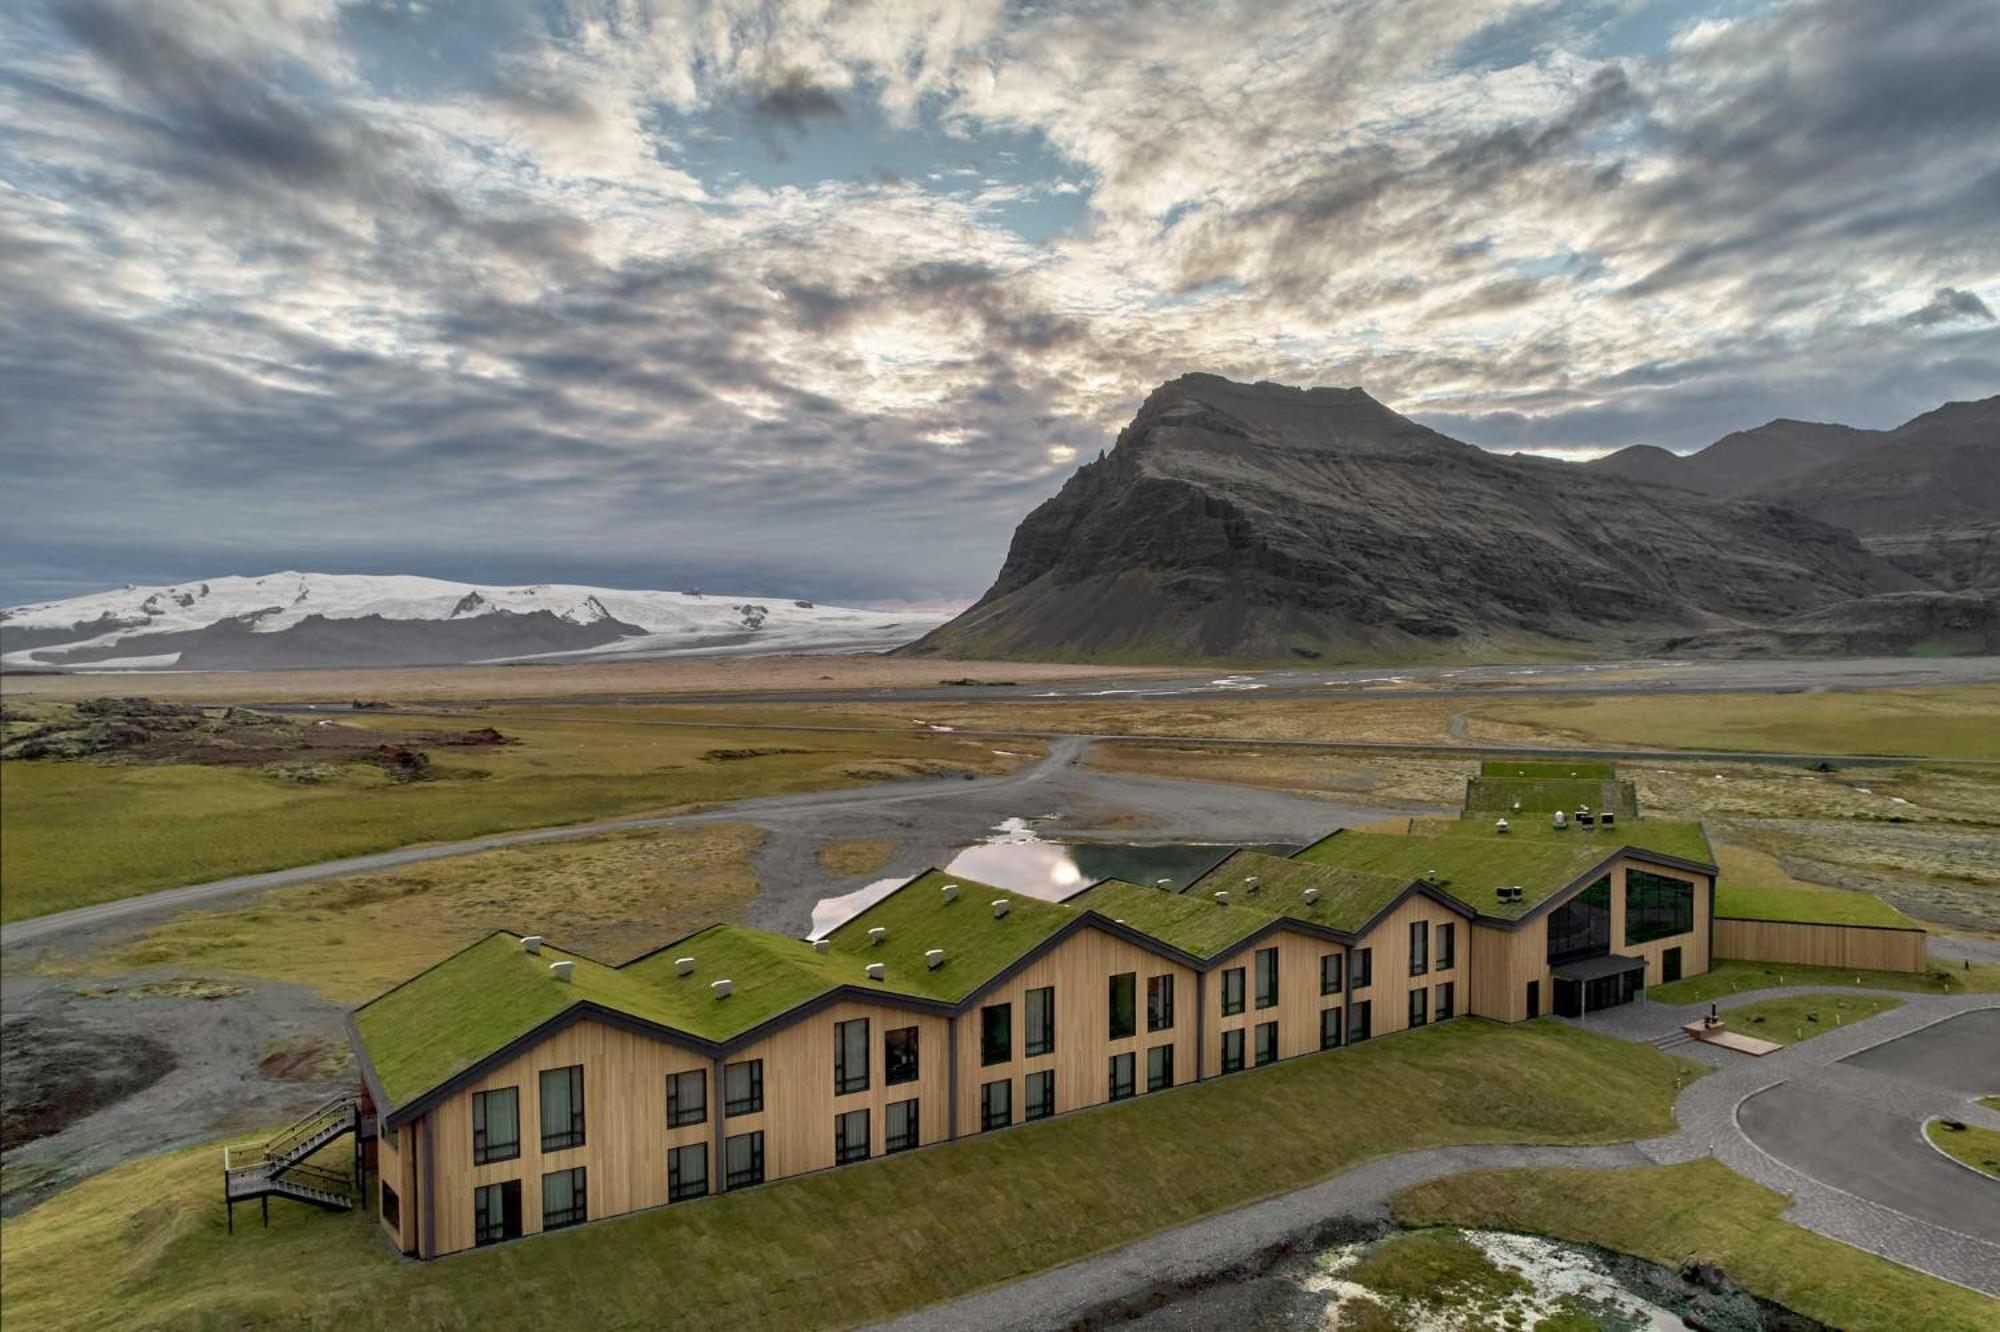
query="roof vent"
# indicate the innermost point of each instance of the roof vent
(1560, 820)
(949, 892)
(1312, 895)
(821, 945)
(531, 943)
(1000, 905)
(1222, 899)
(561, 970)
(934, 958)
(1606, 819)
(683, 966)
(1251, 883)
(877, 934)
(1499, 825)
(722, 989)
(876, 971)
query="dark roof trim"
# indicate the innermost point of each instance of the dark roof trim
(1823, 924)
(369, 1077)
(1592, 875)
(1418, 887)
(1316, 842)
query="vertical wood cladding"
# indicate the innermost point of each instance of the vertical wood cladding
(1802, 944)
(1390, 943)
(1299, 1000)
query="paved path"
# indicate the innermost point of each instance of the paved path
(1707, 1114)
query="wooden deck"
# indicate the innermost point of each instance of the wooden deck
(1720, 1034)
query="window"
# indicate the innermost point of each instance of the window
(743, 1087)
(996, 1033)
(1122, 1072)
(1656, 907)
(899, 1129)
(1364, 968)
(1040, 1037)
(1329, 1029)
(687, 1172)
(562, 1108)
(392, 1208)
(1124, 1004)
(687, 1098)
(1581, 927)
(850, 1056)
(1329, 973)
(1267, 1042)
(564, 1201)
(1360, 1022)
(1232, 1051)
(850, 1137)
(1267, 978)
(496, 1125)
(496, 1212)
(1159, 1068)
(1232, 991)
(996, 1104)
(1041, 1094)
(899, 1056)
(743, 1160)
(1159, 1002)
(1420, 1007)
(1443, 1005)
(1447, 949)
(1420, 947)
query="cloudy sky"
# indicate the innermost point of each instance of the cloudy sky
(819, 298)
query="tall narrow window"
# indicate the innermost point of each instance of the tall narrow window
(899, 1056)
(687, 1098)
(1267, 978)
(899, 1127)
(496, 1125)
(1267, 1042)
(1041, 1094)
(743, 1087)
(1123, 1084)
(1364, 968)
(850, 1056)
(1447, 941)
(687, 1172)
(743, 1160)
(496, 1212)
(1361, 1022)
(562, 1108)
(1329, 973)
(1159, 1002)
(1160, 1067)
(1420, 1007)
(1124, 1004)
(850, 1137)
(392, 1209)
(996, 1033)
(1420, 947)
(1232, 991)
(1329, 1028)
(1444, 1001)
(996, 1104)
(1040, 1038)
(563, 1199)
(1232, 1050)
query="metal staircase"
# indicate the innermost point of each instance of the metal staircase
(282, 1167)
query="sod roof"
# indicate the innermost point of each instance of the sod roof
(1543, 769)
(1192, 922)
(1349, 895)
(977, 945)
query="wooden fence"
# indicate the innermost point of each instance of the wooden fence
(1805, 943)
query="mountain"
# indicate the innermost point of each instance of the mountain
(286, 620)
(1745, 462)
(1257, 523)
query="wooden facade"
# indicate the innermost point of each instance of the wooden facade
(1299, 1005)
(1388, 996)
(1803, 943)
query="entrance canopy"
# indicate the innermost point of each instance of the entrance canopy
(1597, 968)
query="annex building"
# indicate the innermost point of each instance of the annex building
(517, 1087)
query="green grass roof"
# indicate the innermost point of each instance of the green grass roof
(1192, 922)
(1349, 895)
(1545, 795)
(1540, 769)
(977, 945)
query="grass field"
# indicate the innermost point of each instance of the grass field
(1976, 1145)
(1800, 1017)
(1704, 1211)
(609, 897)
(142, 1246)
(82, 832)
(1729, 976)
(1337, 776)
(1754, 886)
(865, 855)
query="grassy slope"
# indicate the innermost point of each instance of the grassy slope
(142, 1246)
(864, 855)
(1976, 1145)
(1784, 1020)
(1705, 1211)
(1754, 886)
(78, 833)
(1729, 976)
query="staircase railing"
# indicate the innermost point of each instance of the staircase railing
(294, 1136)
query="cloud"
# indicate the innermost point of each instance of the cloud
(1949, 305)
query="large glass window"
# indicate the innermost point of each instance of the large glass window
(1420, 947)
(1329, 973)
(1447, 946)
(562, 1108)
(1159, 1002)
(899, 1129)
(1656, 906)
(496, 1212)
(1123, 1076)
(1267, 1042)
(899, 1056)
(996, 1033)
(850, 1056)
(1364, 968)
(743, 1087)
(1329, 1029)
(1160, 1068)
(1581, 927)
(850, 1137)
(1267, 978)
(687, 1172)
(1041, 1098)
(563, 1198)
(1232, 991)
(1232, 1050)
(496, 1125)
(743, 1160)
(1124, 1004)
(1420, 1007)
(996, 1104)
(687, 1098)
(1040, 1038)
